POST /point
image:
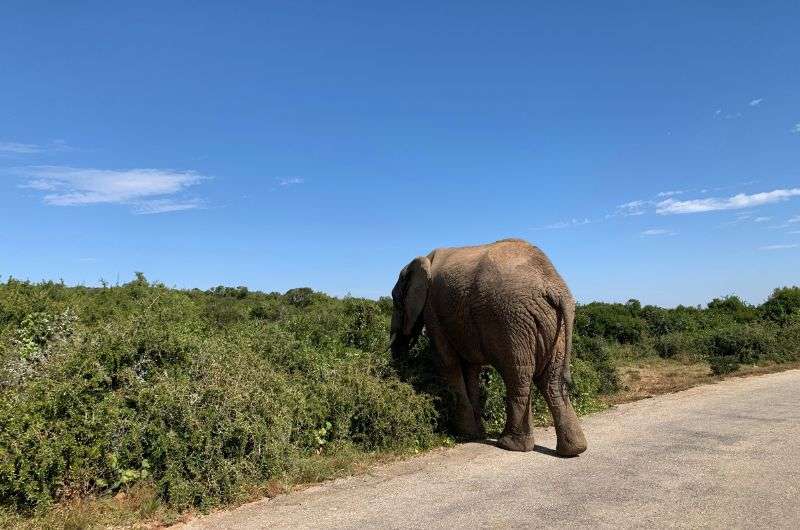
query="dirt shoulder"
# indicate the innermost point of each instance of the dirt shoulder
(653, 376)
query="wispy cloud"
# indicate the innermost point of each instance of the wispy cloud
(745, 217)
(736, 202)
(756, 102)
(146, 190)
(658, 232)
(796, 128)
(665, 203)
(565, 224)
(167, 205)
(778, 247)
(18, 148)
(291, 181)
(789, 223)
(632, 208)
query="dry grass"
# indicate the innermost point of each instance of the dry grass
(138, 507)
(652, 376)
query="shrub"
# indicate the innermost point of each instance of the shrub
(596, 352)
(366, 325)
(610, 321)
(732, 306)
(721, 364)
(162, 390)
(782, 304)
(733, 345)
(787, 340)
(688, 345)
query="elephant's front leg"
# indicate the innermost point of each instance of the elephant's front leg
(466, 423)
(472, 374)
(450, 368)
(518, 432)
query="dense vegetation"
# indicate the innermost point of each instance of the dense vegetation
(203, 394)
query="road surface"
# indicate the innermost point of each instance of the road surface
(721, 456)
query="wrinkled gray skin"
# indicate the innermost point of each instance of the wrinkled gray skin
(501, 304)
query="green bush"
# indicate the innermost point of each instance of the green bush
(161, 389)
(723, 364)
(730, 346)
(782, 305)
(618, 322)
(788, 339)
(203, 394)
(597, 353)
(733, 307)
(686, 345)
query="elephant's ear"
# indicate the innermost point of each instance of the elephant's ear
(418, 278)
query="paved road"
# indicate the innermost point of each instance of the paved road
(721, 456)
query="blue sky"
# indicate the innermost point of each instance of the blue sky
(652, 149)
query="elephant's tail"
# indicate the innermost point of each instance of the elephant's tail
(568, 312)
(565, 307)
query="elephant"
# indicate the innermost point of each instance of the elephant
(501, 304)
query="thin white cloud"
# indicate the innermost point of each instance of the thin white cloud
(167, 205)
(670, 193)
(736, 202)
(789, 222)
(796, 128)
(761, 219)
(778, 247)
(147, 190)
(756, 102)
(633, 208)
(291, 181)
(565, 224)
(658, 232)
(17, 148)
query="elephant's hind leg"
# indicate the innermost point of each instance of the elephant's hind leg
(570, 438)
(518, 432)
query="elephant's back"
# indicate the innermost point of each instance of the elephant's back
(503, 296)
(505, 265)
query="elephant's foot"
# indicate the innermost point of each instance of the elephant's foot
(516, 442)
(472, 434)
(469, 427)
(571, 443)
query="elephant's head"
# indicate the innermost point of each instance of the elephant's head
(409, 296)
